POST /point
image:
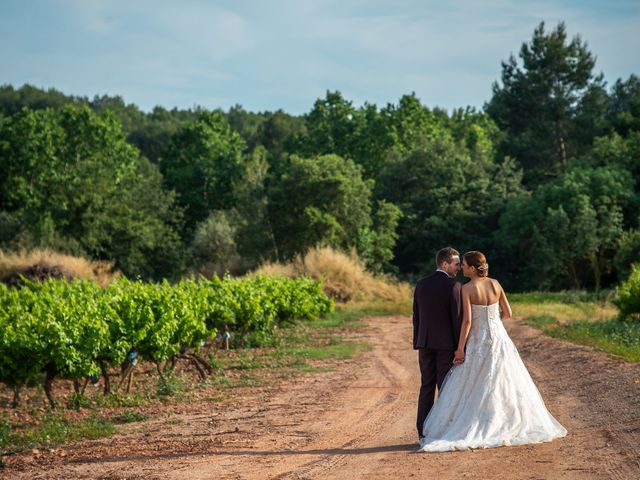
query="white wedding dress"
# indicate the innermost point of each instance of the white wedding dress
(489, 400)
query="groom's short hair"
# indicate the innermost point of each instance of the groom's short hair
(446, 254)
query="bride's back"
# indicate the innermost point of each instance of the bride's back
(483, 291)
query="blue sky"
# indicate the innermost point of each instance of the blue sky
(270, 54)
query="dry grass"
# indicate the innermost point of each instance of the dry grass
(344, 276)
(38, 262)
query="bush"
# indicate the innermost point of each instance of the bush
(627, 297)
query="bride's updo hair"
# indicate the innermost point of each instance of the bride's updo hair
(478, 260)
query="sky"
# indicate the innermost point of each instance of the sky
(284, 54)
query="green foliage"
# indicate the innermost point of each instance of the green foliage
(202, 163)
(628, 253)
(69, 176)
(168, 385)
(571, 226)
(56, 326)
(69, 328)
(627, 297)
(339, 351)
(333, 126)
(13, 100)
(375, 245)
(129, 416)
(447, 195)
(624, 109)
(250, 218)
(539, 102)
(321, 200)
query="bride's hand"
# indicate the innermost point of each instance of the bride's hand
(458, 357)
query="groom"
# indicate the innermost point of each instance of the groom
(436, 327)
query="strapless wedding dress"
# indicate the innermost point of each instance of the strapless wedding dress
(490, 400)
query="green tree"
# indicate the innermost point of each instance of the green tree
(70, 178)
(628, 253)
(623, 152)
(152, 133)
(255, 236)
(319, 200)
(624, 107)
(448, 195)
(376, 244)
(202, 164)
(12, 100)
(568, 231)
(410, 124)
(332, 126)
(277, 133)
(537, 103)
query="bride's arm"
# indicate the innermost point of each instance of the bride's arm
(464, 328)
(504, 305)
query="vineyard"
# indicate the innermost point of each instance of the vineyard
(77, 330)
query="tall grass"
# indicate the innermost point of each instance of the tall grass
(344, 276)
(46, 260)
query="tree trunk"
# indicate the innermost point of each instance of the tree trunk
(105, 376)
(563, 152)
(50, 374)
(16, 396)
(597, 272)
(574, 276)
(561, 145)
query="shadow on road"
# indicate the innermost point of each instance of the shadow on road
(260, 453)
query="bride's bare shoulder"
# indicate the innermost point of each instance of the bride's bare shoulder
(496, 285)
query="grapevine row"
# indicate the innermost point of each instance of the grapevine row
(78, 329)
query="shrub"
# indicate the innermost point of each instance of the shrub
(627, 297)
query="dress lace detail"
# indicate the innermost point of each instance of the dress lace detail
(490, 400)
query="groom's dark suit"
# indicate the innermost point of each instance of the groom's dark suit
(436, 330)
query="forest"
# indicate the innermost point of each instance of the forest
(545, 178)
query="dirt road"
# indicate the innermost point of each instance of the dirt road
(358, 422)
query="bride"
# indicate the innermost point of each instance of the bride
(488, 398)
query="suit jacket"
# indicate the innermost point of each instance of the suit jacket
(437, 312)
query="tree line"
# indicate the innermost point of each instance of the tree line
(544, 179)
